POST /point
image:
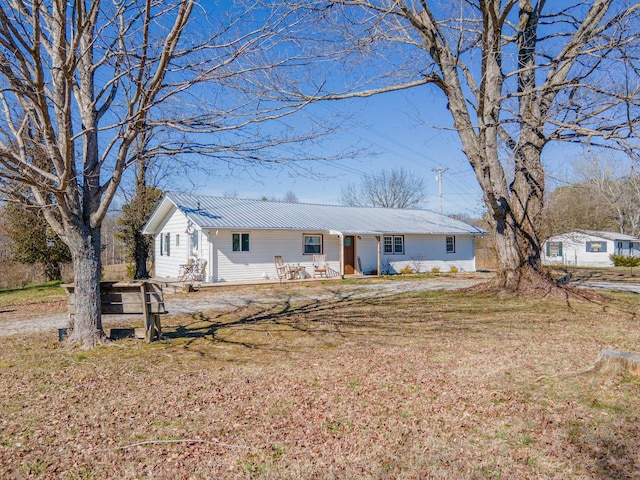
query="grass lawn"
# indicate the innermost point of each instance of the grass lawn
(442, 385)
(32, 294)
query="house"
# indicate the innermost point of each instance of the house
(588, 248)
(238, 238)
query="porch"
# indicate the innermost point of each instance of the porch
(174, 285)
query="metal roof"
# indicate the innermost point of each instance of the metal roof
(233, 213)
(609, 235)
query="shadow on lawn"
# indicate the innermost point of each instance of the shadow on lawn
(387, 319)
(315, 314)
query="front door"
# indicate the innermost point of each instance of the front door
(349, 255)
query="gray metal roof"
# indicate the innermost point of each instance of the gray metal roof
(609, 235)
(234, 213)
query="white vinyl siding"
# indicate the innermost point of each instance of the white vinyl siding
(169, 265)
(224, 265)
(258, 263)
(583, 249)
(421, 252)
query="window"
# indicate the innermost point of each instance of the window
(596, 247)
(312, 244)
(240, 242)
(554, 249)
(394, 245)
(194, 238)
(177, 239)
(451, 244)
(398, 245)
(167, 244)
(620, 248)
(162, 244)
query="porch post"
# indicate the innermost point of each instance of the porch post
(341, 238)
(379, 256)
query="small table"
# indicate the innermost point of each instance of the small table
(296, 271)
(187, 271)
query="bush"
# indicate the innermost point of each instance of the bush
(435, 270)
(454, 269)
(406, 270)
(131, 271)
(625, 261)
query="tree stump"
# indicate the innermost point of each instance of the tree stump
(611, 363)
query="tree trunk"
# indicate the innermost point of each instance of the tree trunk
(519, 263)
(84, 244)
(610, 363)
(52, 271)
(515, 224)
(141, 256)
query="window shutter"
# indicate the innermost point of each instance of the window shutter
(588, 246)
(559, 249)
(548, 248)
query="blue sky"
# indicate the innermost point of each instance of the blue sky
(409, 129)
(402, 130)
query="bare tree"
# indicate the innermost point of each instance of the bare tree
(290, 197)
(81, 81)
(517, 75)
(396, 188)
(615, 189)
(576, 207)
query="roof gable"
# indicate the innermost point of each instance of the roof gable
(232, 213)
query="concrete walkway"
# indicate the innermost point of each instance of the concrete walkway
(620, 286)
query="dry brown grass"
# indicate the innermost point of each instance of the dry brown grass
(603, 274)
(442, 385)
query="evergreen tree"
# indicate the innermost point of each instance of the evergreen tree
(33, 241)
(134, 217)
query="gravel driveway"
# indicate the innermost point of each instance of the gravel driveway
(13, 322)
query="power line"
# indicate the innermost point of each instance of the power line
(419, 156)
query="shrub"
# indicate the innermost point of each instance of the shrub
(625, 261)
(454, 269)
(417, 264)
(406, 270)
(131, 271)
(435, 270)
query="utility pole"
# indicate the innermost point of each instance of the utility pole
(439, 171)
